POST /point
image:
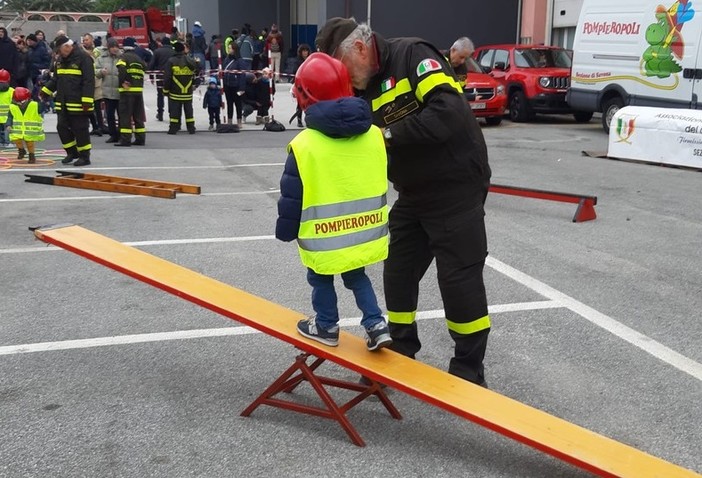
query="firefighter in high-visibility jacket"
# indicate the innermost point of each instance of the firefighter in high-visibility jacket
(131, 96)
(438, 164)
(73, 85)
(27, 123)
(178, 83)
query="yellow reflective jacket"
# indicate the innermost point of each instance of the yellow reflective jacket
(344, 221)
(28, 124)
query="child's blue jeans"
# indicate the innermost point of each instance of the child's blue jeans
(324, 301)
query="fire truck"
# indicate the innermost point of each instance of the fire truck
(141, 25)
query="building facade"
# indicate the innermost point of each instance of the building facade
(440, 21)
(549, 22)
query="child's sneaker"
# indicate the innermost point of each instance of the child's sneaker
(308, 328)
(378, 336)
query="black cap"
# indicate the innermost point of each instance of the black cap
(32, 37)
(129, 42)
(61, 40)
(333, 33)
(178, 47)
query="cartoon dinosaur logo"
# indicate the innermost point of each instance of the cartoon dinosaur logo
(666, 40)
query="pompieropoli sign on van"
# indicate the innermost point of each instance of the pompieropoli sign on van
(657, 135)
(611, 28)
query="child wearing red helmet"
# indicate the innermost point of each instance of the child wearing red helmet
(27, 123)
(5, 99)
(333, 199)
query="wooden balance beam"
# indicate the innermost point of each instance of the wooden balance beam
(554, 436)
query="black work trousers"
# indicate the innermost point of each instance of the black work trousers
(96, 118)
(233, 101)
(131, 112)
(74, 133)
(111, 107)
(159, 96)
(175, 108)
(456, 238)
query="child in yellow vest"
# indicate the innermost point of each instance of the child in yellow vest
(27, 123)
(5, 99)
(333, 199)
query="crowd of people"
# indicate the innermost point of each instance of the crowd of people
(243, 68)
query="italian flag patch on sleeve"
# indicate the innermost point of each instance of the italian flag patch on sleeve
(387, 84)
(428, 65)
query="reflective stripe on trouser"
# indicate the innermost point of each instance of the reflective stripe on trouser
(131, 113)
(459, 244)
(174, 111)
(74, 132)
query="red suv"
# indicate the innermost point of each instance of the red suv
(536, 77)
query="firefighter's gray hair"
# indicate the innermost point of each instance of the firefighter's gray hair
(464, 44)
(362, 32)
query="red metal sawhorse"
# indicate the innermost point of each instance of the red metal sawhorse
(287, 382)
(586, 204)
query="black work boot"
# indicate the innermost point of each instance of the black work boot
(32, 158)
(71, 155)
(21, 152)
(84, 160)
(191, 129)
(173, 128)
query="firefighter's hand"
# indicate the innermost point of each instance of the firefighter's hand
(126, 85)
(87, 106)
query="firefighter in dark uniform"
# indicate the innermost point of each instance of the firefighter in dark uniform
(73, 85)
(178, 79)
(460, 51)
(131, 96)
(157, 65)
(438, 164)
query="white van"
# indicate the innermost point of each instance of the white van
(636, 52)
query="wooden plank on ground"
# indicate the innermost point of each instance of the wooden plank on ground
(562, 439)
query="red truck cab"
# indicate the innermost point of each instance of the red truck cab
(140, 25)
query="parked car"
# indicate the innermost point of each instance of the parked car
(536, 77)
(486, 95)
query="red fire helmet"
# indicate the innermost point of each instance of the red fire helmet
(4, 76)
(321, 78)
(21, 94)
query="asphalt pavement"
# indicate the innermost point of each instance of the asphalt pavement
(596, 322)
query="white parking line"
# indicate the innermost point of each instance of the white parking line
(132, 196)
(224, 331)
(165, 242)
(644, 342)
(556, 299)
(135, 168)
